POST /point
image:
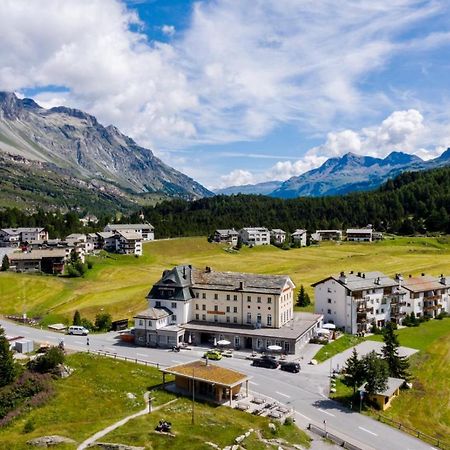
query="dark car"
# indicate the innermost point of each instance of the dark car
(293, 367)
(268, 363)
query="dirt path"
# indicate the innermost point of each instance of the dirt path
(85, 444)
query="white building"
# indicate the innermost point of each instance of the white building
(228, 236)
(128, 242)
(255, 236)
(146, 230)
(328, 235)
(14, 236)
(251, 311)
(299, 236)
(356, 301)
(359, 234)
(426, 295)
(278, 236)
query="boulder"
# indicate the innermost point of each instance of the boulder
(50, 441)
(110, 446)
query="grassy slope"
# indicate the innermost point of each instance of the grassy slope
(93, 397)
(219, 425)
(119, 284)
(338, 346)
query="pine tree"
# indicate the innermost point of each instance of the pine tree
(398, 365)
(303, 297)
(376, 372)
(5, 264)
(7, 366)
(354, 371)
(77, 318)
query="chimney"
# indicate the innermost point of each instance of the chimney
(343, 278)
(359, 274)
(241, 285)
(184, 272)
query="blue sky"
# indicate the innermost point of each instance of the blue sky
(234, 92)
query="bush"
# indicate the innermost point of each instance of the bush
(86, 323)
(442, 315)
(29, 426)
(103, 322)
(48, 362)
(289, 421)
(90, 264)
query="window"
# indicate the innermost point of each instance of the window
(237, 341)
(228, 319)
(235, 309)
(197, 316)
(329, 289)
(269, 308)
(269, 320)
(234, 319)
(216, 296)
(249, 299)
(150, 323)
(382, 310)
(249, 317)
(228, 296)
(258, 300)
(157, 304)
(235, 298)
(203, 316)
(329, 311)
(216, 319)
(216, 307)
(203, 307)
(269, 299)
(228, 309)
(141, 322)
(258, 318)
(174, 317)
(174, 305)
(204, 295)
(197, 295)
(329, 300)
(196, 306)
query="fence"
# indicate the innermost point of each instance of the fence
(332, 437)
(416, 433)
(126, 358)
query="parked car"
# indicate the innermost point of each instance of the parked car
(213, 354)
(75, 329)
(293, 367)
(268, 363)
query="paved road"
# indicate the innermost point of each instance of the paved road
(305, 392)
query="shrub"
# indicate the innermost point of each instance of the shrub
(90, 264)
(86, 323)
(289, 421)
(48, 362)
(103, 322)
(29, 426)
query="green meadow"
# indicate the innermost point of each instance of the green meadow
(118, 284)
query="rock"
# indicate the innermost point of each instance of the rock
(211, 444)
(272, 427)
(247, 434)
(235, 447)
(131, 396)
(239, 439)
(50, 441)
(333, 390)
(109, 446)
(313, 362)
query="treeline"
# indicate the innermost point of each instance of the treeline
(57, 224)
(414, 202)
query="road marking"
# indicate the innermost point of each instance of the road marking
(326, 412)
(368, 431)
(254, 384)
(284, 395)
(306, 417)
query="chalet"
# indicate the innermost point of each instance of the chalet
(50, 261)
(146, 230)
(299, 236)
(278, 236)
(328, 235)
(255, 236)
(228, 236)
(128, 242)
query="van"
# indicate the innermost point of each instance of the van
(293, 367)
(76, 329)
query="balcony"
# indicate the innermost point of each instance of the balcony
(432, 298)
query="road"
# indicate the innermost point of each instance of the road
(305, 392)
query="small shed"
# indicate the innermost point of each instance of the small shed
(383, 399)
(24, 346)
(209, 381)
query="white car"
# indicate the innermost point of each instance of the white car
(76, 329)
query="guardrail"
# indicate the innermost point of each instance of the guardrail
(126, 358)
(332, 437)
(416, 433)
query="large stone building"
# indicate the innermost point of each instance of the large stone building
(200, 306)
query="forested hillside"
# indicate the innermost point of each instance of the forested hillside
(412, 202)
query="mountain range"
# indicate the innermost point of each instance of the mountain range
(338, 176)
(76, 145)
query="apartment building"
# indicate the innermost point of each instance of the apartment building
(278, 236)
(251, 311)
(299, 236)
(12, 237)
(226, 236)
(146, 230)
(128, 242)
(426, 295)
(359, 234)
(327, 235)
(356, 301)
(255, 236)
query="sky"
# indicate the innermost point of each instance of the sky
(236, 92)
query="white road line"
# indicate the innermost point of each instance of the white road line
(254, 384)
(284, 395)
(306, 417)
(326, 412)
(368, 431)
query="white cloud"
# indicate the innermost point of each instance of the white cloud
(229, 76)
(237, 177)
(168, 30)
